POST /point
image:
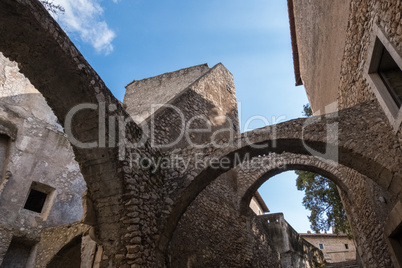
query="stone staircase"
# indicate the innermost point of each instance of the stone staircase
(344, 264)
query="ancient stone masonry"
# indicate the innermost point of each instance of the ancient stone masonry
(115, 190)
(54, 239)
(193, 98)
(351, 37)
(139, 213)
(295, 251)
(250, 179)
(353, 86)
(226, 243)
(37, 159)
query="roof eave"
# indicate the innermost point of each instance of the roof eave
(296, 62)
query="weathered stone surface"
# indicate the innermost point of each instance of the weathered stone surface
(160, 210)
(353, 87)
(294, 250)
(54, 239)
(195, 98)
(141, 95)
(38, 156)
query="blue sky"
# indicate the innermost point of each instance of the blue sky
(125, 40)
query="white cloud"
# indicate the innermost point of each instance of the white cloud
(84, 17)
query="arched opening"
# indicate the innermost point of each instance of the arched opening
(360, 193)
(280, 195)
(288, 227)
(362, 198)
(69, 256)
(76, 82)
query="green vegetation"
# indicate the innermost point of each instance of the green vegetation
(322, 199)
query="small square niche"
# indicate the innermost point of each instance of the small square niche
(35, 201)
(38, 197)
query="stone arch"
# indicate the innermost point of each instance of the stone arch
(48, 58)
(55, 67)
(356, 196)
(69, 255)
(357, 150)
(349, 180)
(251, 180)
(8, 128)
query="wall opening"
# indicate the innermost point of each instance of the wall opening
(384, 73)
(280, 195)
(18, 253)
(35, 201)
(69, 256)
(391, 75)
(39, 199)
(288, 220)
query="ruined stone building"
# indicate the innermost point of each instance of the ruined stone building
(161, 194)
(41, 184)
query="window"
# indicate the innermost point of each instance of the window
(36, 200)
(391, 76)
(384, 73)
(321, 246)
(39, 198)
(346, 246)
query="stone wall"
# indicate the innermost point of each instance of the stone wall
(366, 214)
(295, 251)
(192, 112)
(286, 135)
(340, 33)
(142, 94)
(138, 211)
(125, 200)
(53, 240)
(212, 233)
(353, 87)
(38, 156)
(6, 235)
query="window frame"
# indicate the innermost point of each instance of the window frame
(379, 41)
(49, 191)
(38, 208)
